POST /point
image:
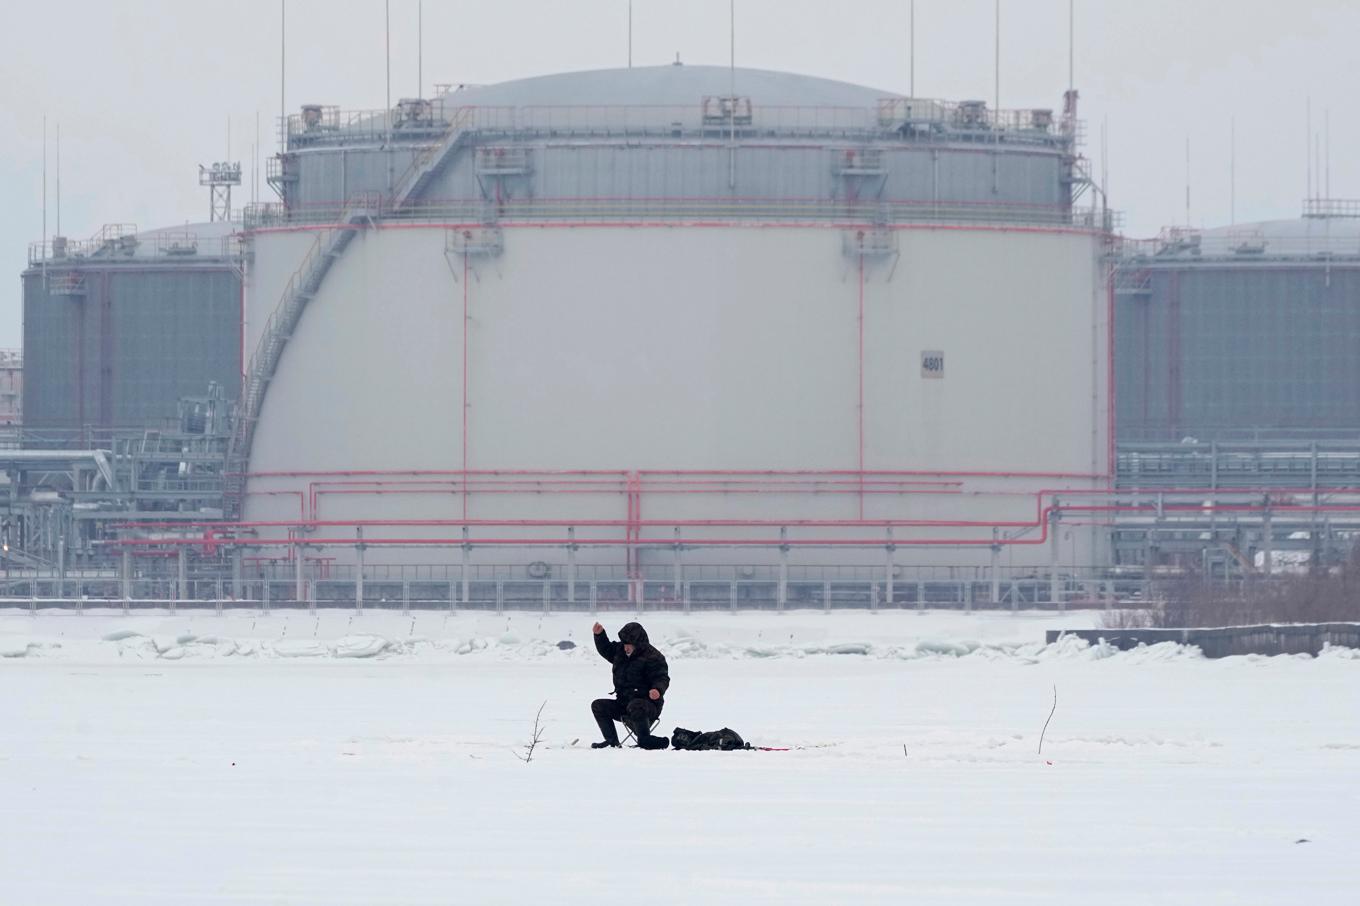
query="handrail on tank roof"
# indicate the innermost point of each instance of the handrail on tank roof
(1245, 245)
(325, 125)
(124, 244)
(1322, 208)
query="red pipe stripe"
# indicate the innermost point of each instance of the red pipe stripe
(623, 474)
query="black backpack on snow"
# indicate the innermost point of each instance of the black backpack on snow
(724, 740)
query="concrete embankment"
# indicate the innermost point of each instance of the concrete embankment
(1290, 638)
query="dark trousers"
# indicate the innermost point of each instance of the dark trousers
(635, 713)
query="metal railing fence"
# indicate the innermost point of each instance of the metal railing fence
(621, 595)
(332, 125)
(120, 242)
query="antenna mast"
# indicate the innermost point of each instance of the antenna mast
(387, 50)
(1104, 163)
(1187, 180)
(1326, 155)
(1317, 165)
(283, 75)
(998, 61)
(43, 244)
(1071, 40)
(732, 94)
(1308, 143)
(219, 178)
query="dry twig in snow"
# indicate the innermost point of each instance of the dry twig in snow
(1050, 717)
(534, 740)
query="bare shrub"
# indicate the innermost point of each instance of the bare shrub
(1323, 596)
(1141, 618)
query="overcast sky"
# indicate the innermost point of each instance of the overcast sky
(143, 89)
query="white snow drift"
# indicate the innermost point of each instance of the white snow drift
(342, 759)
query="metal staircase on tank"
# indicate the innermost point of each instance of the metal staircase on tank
(302, 287)
(430, 162)
(306, 282)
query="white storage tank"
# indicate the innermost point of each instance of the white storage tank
(826, 323)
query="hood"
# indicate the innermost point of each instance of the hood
(633, 634)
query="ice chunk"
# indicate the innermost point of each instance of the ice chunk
(361, 646)
(299, 648)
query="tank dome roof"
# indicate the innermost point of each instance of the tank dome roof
(670, 85)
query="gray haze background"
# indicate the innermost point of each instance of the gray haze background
(143, 90)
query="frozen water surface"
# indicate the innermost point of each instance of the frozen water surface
(342, 759)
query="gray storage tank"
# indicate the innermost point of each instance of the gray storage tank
(119, 327)
(1246, 332)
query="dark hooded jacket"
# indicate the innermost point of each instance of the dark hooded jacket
(634, 676)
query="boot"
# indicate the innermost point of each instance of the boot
(643, 733)
(601, 710)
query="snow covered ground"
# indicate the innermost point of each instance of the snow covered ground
(340, 759)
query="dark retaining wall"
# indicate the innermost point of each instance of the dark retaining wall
(1294, 638)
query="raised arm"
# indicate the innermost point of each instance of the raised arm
(607, 649)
